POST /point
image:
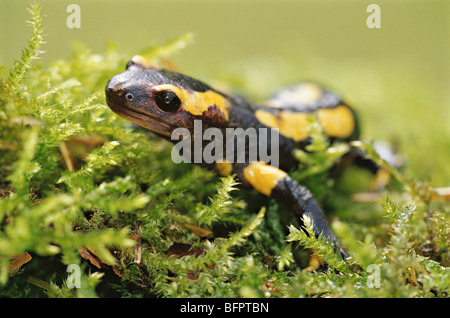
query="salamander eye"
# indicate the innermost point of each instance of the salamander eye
(167, 101)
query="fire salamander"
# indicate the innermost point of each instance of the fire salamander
(162, 101)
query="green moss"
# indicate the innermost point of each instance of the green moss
(78, 185)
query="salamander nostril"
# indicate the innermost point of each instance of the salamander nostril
(116, 91)
(129, 96)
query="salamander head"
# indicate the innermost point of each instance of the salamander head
(161, 100)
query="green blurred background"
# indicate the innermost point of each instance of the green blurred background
(397, 77)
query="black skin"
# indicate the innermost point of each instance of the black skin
(138, 80)
(293, 195)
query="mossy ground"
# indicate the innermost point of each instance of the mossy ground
(80, 186)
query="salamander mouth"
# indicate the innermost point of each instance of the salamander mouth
(143, 119)
(146, 120)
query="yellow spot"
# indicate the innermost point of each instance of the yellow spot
(291, 125)
(337, 122)
(224, 168)
(315, 262)
(263, 177)
(197, 103)
(301, 94)
(380, 180)
(139, 59)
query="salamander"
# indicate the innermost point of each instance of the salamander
(162, 101)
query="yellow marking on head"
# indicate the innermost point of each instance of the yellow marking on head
(263, 177)
(337, 122)
(197, 103)
(291, 125)
(139, 59)
(224, 168)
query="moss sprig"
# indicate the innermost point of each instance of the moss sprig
(319, 245)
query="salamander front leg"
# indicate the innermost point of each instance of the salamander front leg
(276, 184)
